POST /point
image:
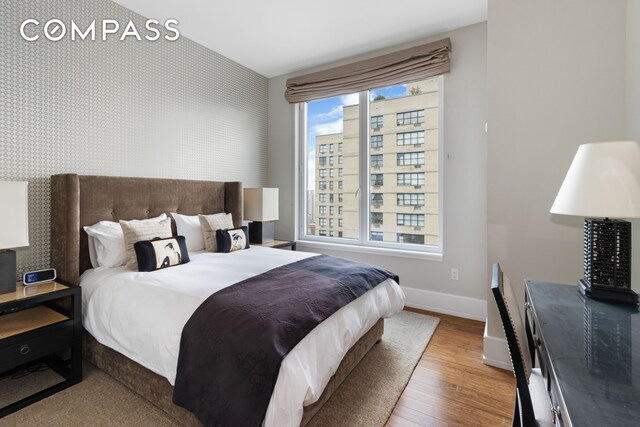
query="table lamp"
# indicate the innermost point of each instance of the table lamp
(14, 220)
(603, 185)
(261, 207)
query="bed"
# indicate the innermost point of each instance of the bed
(78, 201)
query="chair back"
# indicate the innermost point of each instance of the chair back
(514, 330)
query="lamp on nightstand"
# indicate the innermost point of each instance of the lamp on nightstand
(14, 230)
(261, 207)
(603, 182)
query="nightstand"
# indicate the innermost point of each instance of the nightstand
(41, 324)
(278, 244)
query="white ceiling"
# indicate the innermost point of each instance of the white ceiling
(274, 37)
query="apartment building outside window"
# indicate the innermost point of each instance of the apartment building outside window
(410, 138)
(322, 210)
(410, 118)
(412, 115)
(407, 159)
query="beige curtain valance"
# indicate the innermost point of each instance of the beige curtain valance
(407, 65)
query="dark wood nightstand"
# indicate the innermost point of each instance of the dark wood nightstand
(278, 244)
(41, 324)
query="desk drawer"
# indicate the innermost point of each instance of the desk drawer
(35, 347)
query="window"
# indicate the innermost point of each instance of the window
(411, 138)
(376, 236)
(414, 178)
(376, 218)
(415, 158)
(347, 131)
(416, 239)
(411, 117)
(376, 141)
(410, 199)
(410, 220)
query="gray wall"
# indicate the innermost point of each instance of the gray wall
(556, 80)
(465, 113)
(132, 108)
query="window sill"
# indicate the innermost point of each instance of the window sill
(429, 256)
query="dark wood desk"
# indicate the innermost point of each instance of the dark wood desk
(589, 354)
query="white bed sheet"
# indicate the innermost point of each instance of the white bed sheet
(141, 315)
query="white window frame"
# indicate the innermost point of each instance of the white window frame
(363, 244)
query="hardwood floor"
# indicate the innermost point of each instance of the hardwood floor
(451, 386)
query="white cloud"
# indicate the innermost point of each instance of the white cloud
(351, 99)
(335, 112)
(328, 128)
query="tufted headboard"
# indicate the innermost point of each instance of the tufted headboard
(77, 201)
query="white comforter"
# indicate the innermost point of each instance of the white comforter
(141, 315)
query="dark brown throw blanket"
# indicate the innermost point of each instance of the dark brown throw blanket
(234, 343)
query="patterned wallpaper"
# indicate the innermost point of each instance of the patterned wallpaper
(120, 108)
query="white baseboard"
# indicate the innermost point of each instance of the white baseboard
(496, 352)
(455, 305)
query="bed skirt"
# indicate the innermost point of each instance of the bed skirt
(157, 390)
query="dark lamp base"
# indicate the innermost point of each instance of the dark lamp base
(604, 293)
(262, 232)
(7, 271)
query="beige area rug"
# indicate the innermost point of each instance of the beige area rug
(366, 398)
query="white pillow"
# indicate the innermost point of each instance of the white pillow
(107, 240)
(189, 227)
(211, 223)
(142, 229)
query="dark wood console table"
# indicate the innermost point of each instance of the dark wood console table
(589, 354)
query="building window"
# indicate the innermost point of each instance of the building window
(411, 138)
(322, 210)
(358, 156)
(410, 117)
(414, 178)
(410, 199)
(410, 220)
(330, 233)
(416, 239)
(415, 158)
(376, 218)
(376, 141)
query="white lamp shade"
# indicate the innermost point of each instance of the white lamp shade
(603, 181)
(261, 204)
(14, 215)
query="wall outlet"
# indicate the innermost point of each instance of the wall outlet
(454, 274)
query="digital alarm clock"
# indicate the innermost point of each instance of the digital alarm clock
(35, 277)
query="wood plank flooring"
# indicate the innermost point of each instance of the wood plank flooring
(451, 386)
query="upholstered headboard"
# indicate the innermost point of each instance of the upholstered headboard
(77, 201)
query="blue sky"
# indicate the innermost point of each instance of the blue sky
(325, 117)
